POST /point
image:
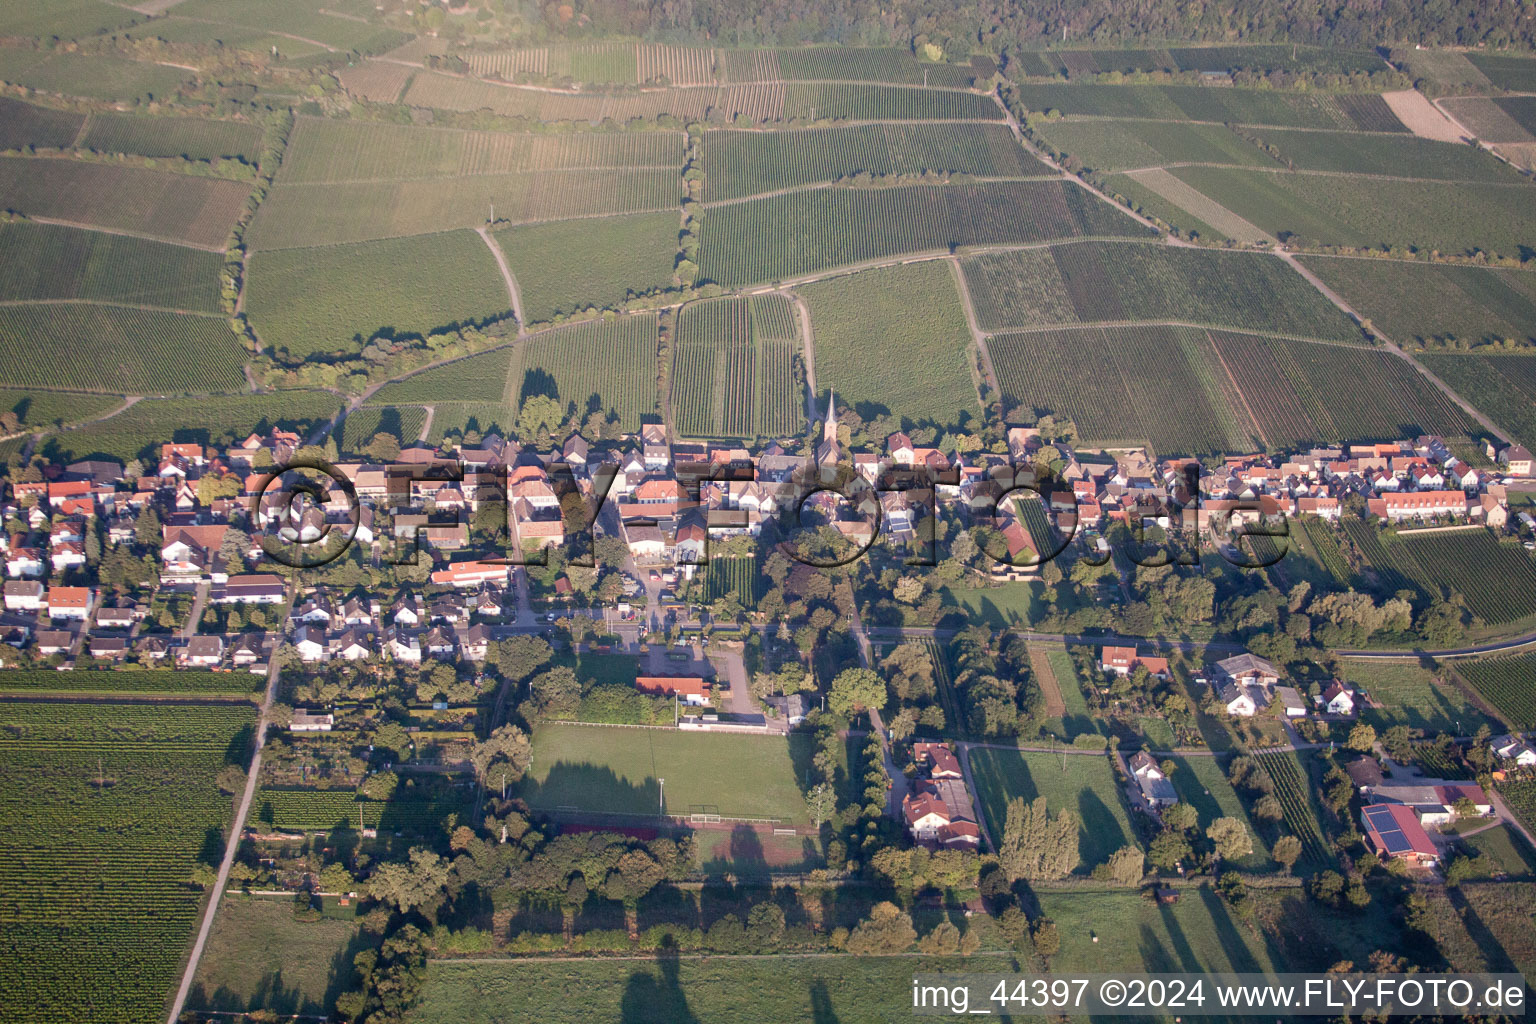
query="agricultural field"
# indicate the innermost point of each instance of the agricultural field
(338, 23)
(321, 810)
(1179, 402)
(159, 204)
(1521, 109)
(1403, 156)
(1151, 203)
(460, 419)
(1295, 791)
(1498, 579)
(335, 298)
(1218, 106)
(137, 683)
(95, 77)
(912, 317)
(47, 261)
(1435, 304)
(260, 956)
(726, 575)
(1084, 282)
(38, 410)
(733, 369)
(26, 124)
(402, 422)
(141, 430)
(804, 232)
(1203, 785)
(1081, 783)
(1517, 74)
(566, 266)
(1413, 698)
(619, 771)
(108, 808)
(1443, 67)
(746, 163)
(63, 18)
(1509, 684)
(1521, 796)
(858, 102)
(195, 138)
(316, 214)
(118, 349)
(1501, 387)
(1109, 145)
(1288, 387)
(1363, 211)
(853, 64)
(477, 378)
(606, 366)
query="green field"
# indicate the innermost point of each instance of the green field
(321, 810)
(912, 317)
(141, 430)
(803, 232)
(1497, 579)
(139, 682)
(94, 77)
(1219, 106)
(46, 261)
(478, 378)
(1515, 73)
(403, 423)
(118, 349)
(63, 18)
(1502, 387)
(570, 265)
(195, 138)
(1288, 386)
(617, 770)
(1118, 145)
(173, 207)
(1202, 783)
(335, 298)
(1435, 304)
(859, 102)
(1156, 385)
(259, 955)
(339, 23)
(1084, 282)
(858, 64)
(1364, 211)
(108, 808)
(606, 366)
(25, 124)
(1001, 606)
(1508, 852)
(39, 409)
(1412, 698)
(733, 369)
(1303, 815)
(1402, 156)
(738, 163)
(1120, 931)
(731, 575)
(1086, 787)
(1509, 684)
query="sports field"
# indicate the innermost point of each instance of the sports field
(1081, 783)
(646, 771)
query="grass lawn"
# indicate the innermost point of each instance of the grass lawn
(1203, 785)
(1009, 604)
(720, 990)
(260, 957)
(619, 770)
(1412, 698)
(1086, 787)
(1509, 852)
(1504, 911)
(1134, 934)
(911, 316)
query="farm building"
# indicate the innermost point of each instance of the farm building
(938, 759)
(1393, 830)
(689, 689)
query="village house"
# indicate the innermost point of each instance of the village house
(202, 652)
(69, 602)
(934, 822)
(24, 596)
(690, 690)
(1156, 788)
(1337, 699)
(1513, 749)
(1122, 661)
(937, 760)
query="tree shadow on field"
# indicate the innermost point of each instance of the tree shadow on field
(212, 851)
(649, 999)
(537, 382)
(745, 855)
(821, 1004)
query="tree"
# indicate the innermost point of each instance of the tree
(1168, 849)
(1127, 865)
(146, 528)
(1268, 808)
(503, 757)
(1036, 846)
(636, 874)
(856, 689)
(1181, 816)
(1362, 738)
(231, 779)
(908, 590)
(540, 415)
(765, 925)
(1045, 936)
(1286, 852)
(1230, 837)
(410, 885)
(821, 802)
(383, 448)
(887, 930)
(211, 487)
(557, 693)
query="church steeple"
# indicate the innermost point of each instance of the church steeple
(829, 422)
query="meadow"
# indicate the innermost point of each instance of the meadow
(64, 18)
(614, 770)
(1110, 145)
(1413, 698)
(340, 23)
(109, 807)
(1435, 304)
(47, 261)
(1219, 106)
(1083, 282)
(335, 298)
(1363, 211)
(1202, 783)
(733, 369)
(604, 365)
(566, 266)
(261, 956)
(140, 431)
(118, 349)
(1509, 684)
(1085, 786)
(173, 207)
(195, 138)
(322, 810)
(96, 77)
(1497, 579)
(1393, 155)
(27, 124)
(477, 378)
(745, 163)
(895, 340)
(1288, 386)
(804, 232)
(1503, 388)
(1107, 383)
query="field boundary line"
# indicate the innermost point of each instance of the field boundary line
(1237, 389)
(480, 174)
(82, 226)
(1131, 172)
(817, 186)
(506, 275)
(1113, 324)
(16, 303)
(978, 337)
(1241, 124)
